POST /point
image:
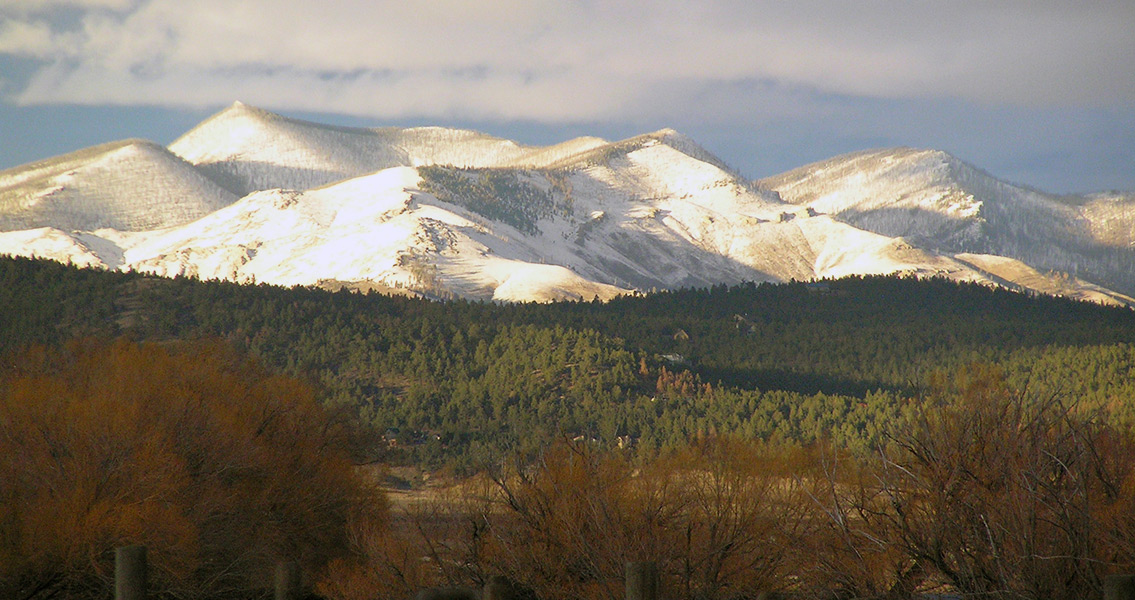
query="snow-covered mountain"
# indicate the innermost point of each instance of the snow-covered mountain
(451, 212)
(940, 203)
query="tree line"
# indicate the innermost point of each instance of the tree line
(446, 381)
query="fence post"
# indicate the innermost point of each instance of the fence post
(642, 581)
(287, 580)
(499, 587)
(1119, 587)
(130, 577)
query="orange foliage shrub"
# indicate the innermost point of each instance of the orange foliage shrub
(217, 466)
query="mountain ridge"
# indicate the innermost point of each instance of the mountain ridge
(457, 212)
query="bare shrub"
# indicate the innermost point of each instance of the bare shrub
(718, 518)
(1002, 495)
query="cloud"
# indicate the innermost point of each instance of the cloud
(568, 61)
(41, 6)
(29, 38)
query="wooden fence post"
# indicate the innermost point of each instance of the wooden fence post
(1119, 587)
(499, 587)
(287, 580)
(130, 577)
(642, 581)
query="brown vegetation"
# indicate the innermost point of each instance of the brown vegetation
(1000, 495)
(221, 469)
(218, 467)
(989, 494)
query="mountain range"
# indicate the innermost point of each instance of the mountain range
(256, 197)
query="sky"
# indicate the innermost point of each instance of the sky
(1036, 92)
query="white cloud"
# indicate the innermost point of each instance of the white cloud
(563, 61)
(28, 38)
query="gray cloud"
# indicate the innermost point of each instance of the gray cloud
(566, 61)
(1038, 91)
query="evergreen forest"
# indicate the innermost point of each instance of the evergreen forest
(450, 384)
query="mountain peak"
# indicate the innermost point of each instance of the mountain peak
(663, 133)
(240, 108)
(237, 110)
(686, 145)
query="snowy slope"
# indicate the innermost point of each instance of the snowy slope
(132, 185)
(457, 213)
(1110, 218)
(894, 192)
(942, 203)
(377, 228)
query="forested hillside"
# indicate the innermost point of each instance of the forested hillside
(446, 382)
